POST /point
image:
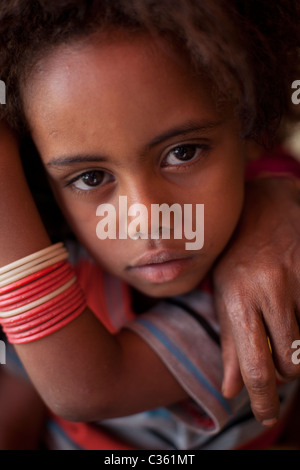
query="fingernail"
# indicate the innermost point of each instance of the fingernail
(269, 422)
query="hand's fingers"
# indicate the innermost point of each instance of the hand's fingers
(256, 362)
(232, 381)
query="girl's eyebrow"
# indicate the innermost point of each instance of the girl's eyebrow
(183, 129)
(186, 128)
(82, 158)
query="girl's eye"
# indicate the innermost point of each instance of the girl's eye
(90, 179)
(183, 153)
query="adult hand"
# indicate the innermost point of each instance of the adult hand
(257, 286)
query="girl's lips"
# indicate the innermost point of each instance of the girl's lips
(159, 256)
(161, 266)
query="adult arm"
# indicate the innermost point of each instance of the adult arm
(257, 285)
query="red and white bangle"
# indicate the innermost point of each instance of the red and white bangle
(39, 294)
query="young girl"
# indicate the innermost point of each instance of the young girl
(160, 103)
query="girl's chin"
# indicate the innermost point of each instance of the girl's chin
(168, 289)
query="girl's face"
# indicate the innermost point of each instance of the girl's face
(129, 117)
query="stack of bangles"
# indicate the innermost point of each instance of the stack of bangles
(39, 294)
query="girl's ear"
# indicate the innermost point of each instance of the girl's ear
(252, 150)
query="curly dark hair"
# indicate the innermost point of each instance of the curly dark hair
(249, 48)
